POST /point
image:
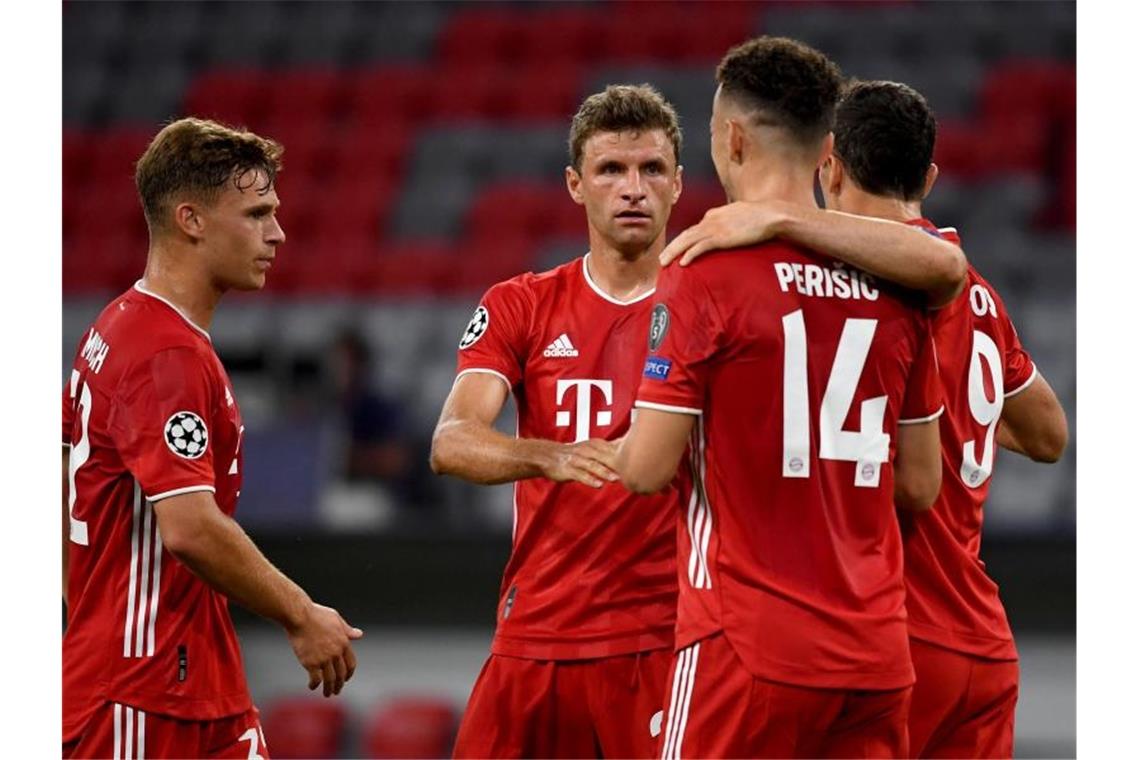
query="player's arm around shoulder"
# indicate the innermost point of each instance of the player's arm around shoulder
(1033, 423)
(894, 251)
(215, 548)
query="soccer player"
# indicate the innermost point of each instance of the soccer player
(961, 643)
(588, 598)
(808, 396)
(152, 454)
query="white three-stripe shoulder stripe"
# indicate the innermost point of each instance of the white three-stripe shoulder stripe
(145, 579)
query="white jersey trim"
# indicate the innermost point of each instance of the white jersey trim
(594, 286)
(1024, 385)
(684, 678)
(948, 229)
(180, 491)
(483, 371)
(66, 445)
(928, 418)
(144, 291)
(667, 407)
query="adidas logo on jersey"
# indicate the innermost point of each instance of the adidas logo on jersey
(560, 348)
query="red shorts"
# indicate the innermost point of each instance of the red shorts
(608, 707)
(717, 708)
(124, 733)
(963, 706)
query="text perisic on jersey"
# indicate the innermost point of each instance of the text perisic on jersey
(95, 351)
(826, 282)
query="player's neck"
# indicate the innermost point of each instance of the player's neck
(883, 207)
(191, 292)
(621, 277)
(779, 182)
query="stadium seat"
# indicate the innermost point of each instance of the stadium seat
(306, 94)
(234, 96)
(475, 36)
(411, 727)
(305, 727)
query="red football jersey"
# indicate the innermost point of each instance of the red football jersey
(148, 414)
(800, 370)
(592, 571)
(950, 599)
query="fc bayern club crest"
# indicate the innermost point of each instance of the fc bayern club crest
(186, 435)
(475, 328)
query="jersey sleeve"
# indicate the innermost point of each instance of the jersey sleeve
(495, 340)
(685, 332)
(159, 423)
(924, 400)
(1019, 370)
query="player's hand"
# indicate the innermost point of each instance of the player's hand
(590, 462)
(728, 226)
(322, 644)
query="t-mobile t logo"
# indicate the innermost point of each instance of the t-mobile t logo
(582, 408)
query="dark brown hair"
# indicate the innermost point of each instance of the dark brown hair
(785, 82)
(622, 108)
(197, 158)
(884, 135)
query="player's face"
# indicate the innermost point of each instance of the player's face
(628, 183)
(242, 233)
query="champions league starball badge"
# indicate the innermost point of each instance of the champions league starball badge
(186, 435)
(475, 328)
(658, 326)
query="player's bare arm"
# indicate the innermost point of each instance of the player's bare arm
(897, 252)
(467, 445)
(1033, 423)
(918, 465)
(651, 451)
(216, 549)
(66, 516)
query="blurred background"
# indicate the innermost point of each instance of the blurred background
(425, 145)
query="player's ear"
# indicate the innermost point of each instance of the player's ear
(677, 183)
(574, 185)
(188, 220)
(832, 183)
(736, 140)
(827, 149)
(931, 178)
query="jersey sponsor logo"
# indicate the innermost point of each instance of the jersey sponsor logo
(655, 723)
(826, 282)
(475, 328)
(561, 348)
(657, 368)
(658, 326)
(584, 413)
(95, 351)
(186, 435)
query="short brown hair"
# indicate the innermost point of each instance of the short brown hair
(622, 108)
(787, 83)
(198, 157)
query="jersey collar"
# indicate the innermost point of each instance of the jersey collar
(179, 312)
(594, 286)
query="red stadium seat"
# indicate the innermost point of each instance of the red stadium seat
(561, 37)
(307, 94)
(305, 727)
(114, 153)
(233, 96)
(478, 36)
(549, 92)
(372, 151)
(696, 199)
(389, 94)
(519, 209)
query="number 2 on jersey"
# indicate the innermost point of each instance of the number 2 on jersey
(79, 454)
(869, 448)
